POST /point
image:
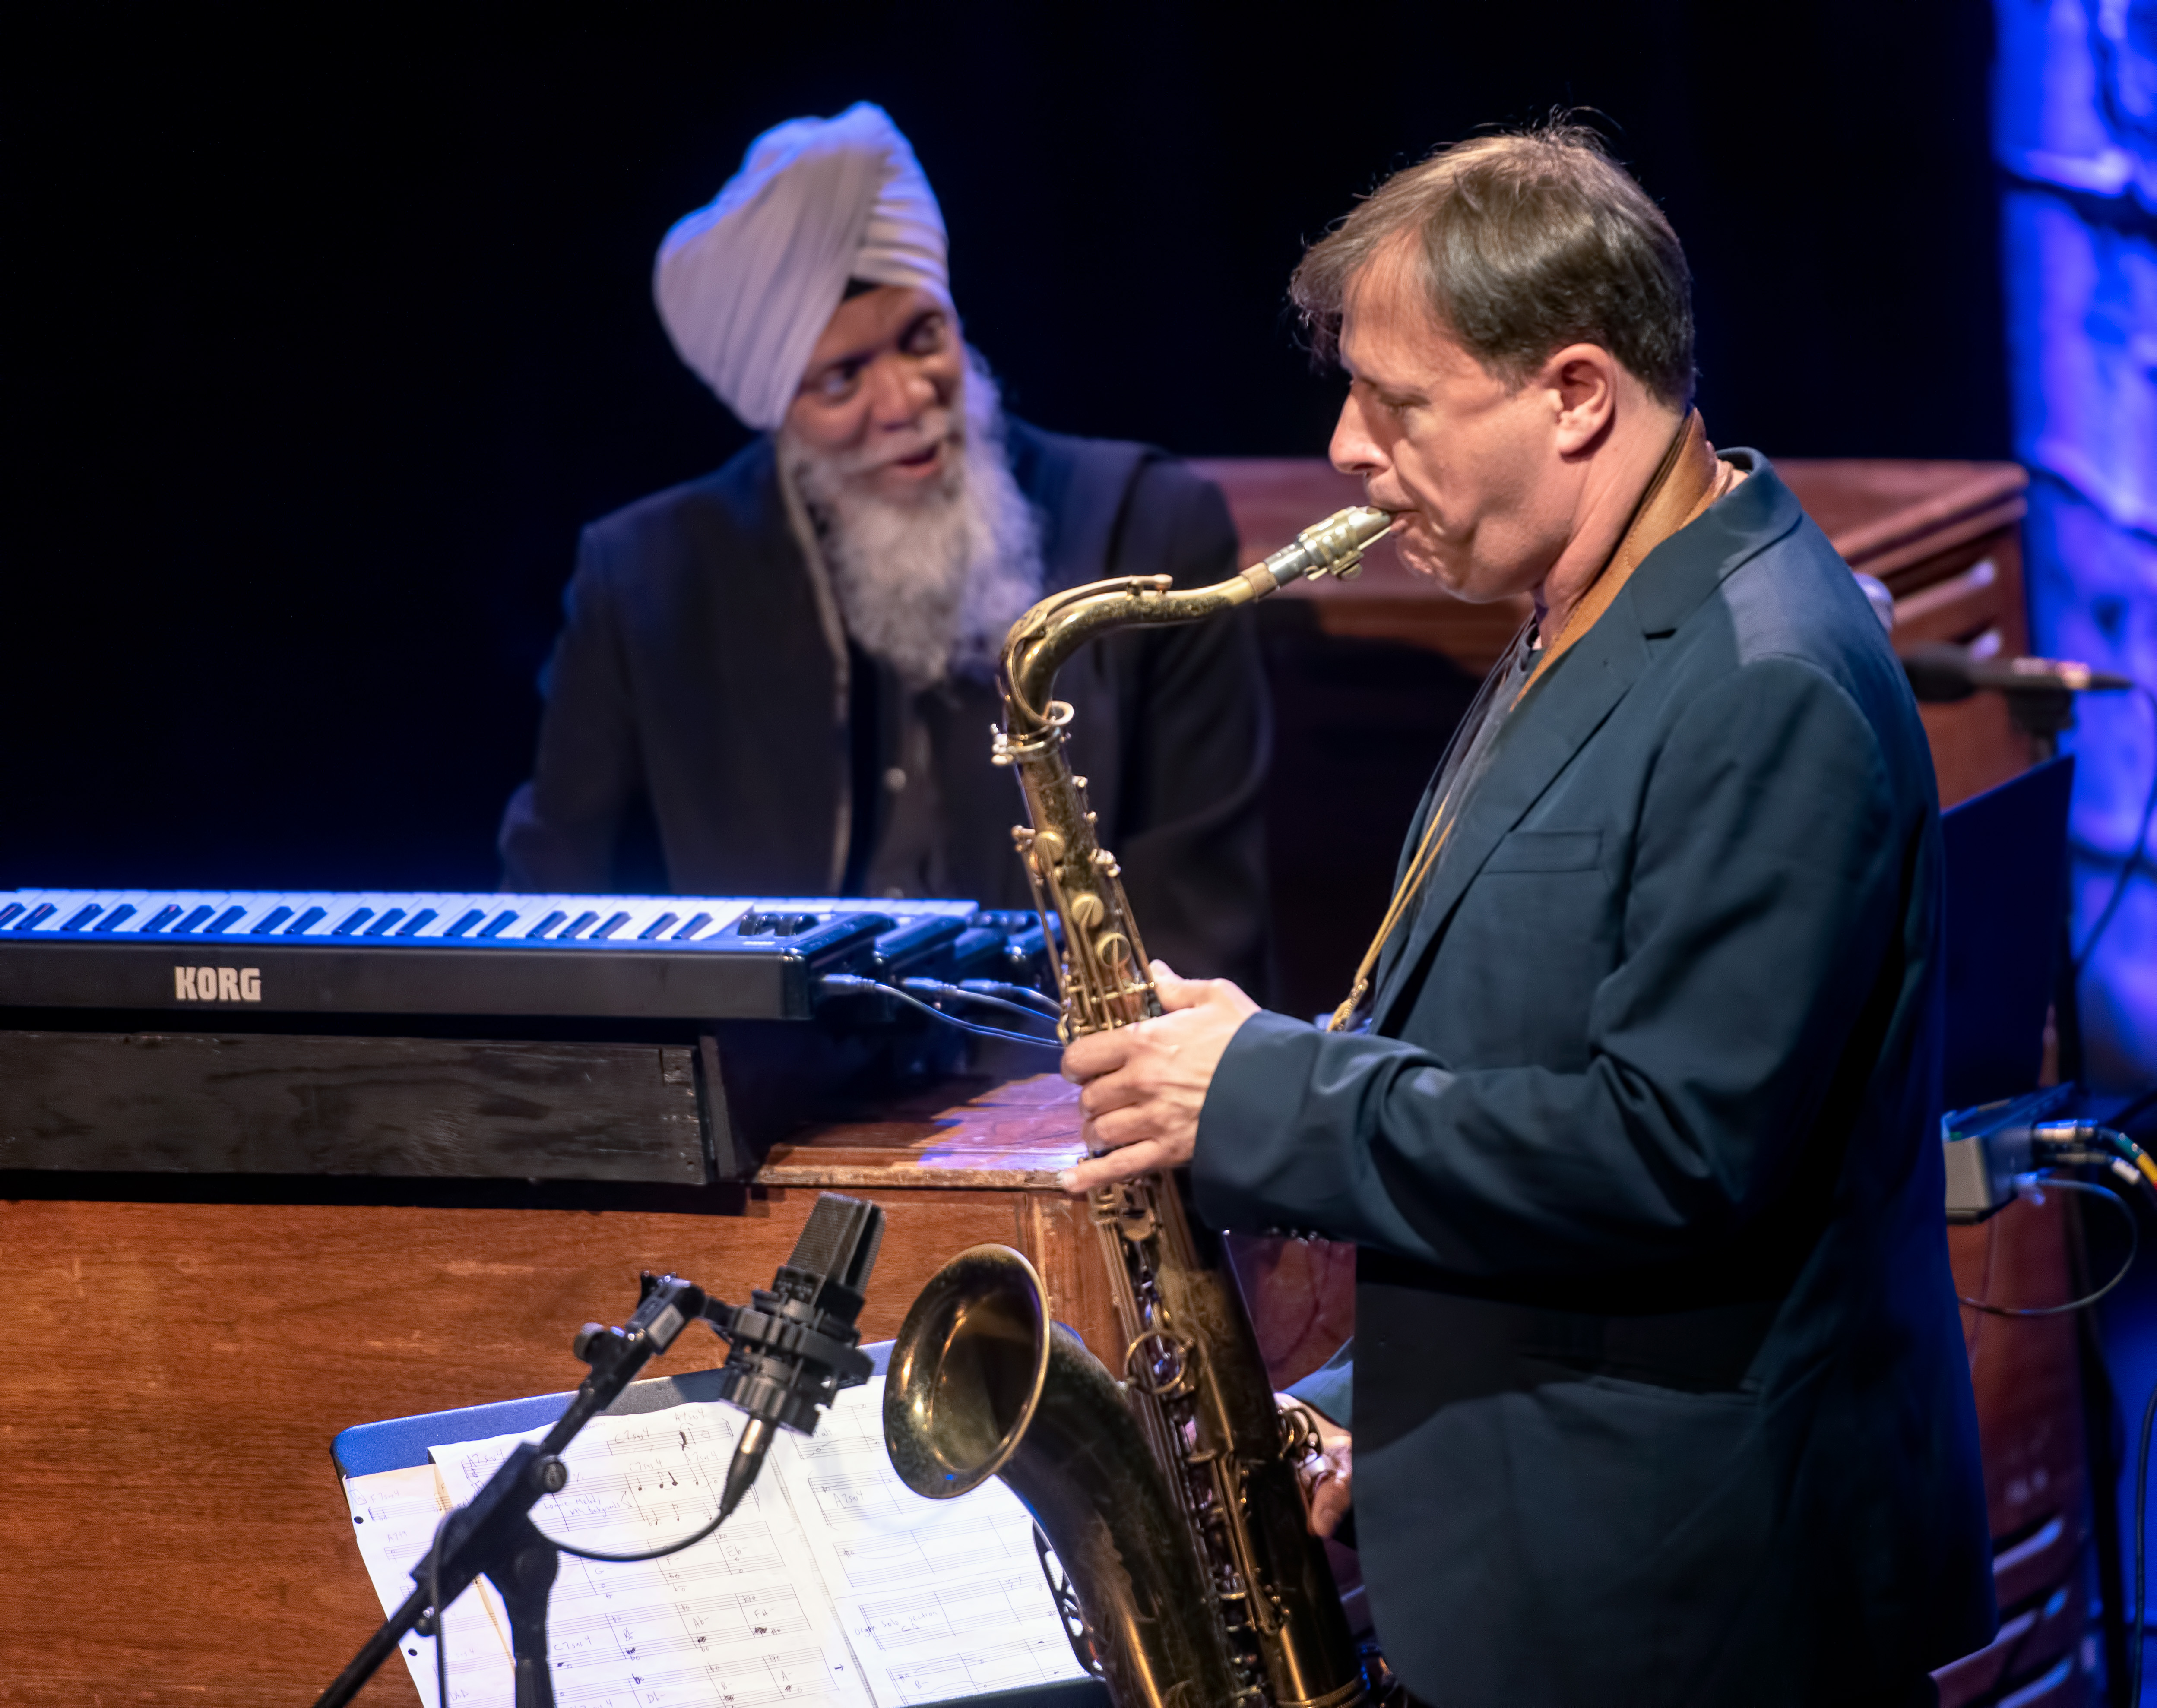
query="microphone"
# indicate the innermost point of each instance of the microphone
(1946, 672)
(791, 1350)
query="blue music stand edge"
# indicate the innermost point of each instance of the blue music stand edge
(400, 1444)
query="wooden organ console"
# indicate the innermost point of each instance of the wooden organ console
(189, 1342)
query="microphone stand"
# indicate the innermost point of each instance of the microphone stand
(493, 1533)
(2041, 714)
(789, 1352)
(2040, 703)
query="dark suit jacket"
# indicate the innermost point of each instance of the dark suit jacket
(1660, 1395)
(692, 674)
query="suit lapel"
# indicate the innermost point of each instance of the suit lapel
(1538, 740)
(1391, 953)
(1580, 693)
(1563, 710)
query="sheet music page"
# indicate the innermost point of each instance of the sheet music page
(394, 1516)
(739, 1621)
(937, 1598)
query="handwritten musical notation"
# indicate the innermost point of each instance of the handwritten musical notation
(833, 1586)
(393, 1517)
(739, 1620)
(937, 1598)
(981, 1636)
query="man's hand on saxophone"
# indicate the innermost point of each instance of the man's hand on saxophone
(1326, 1473)
(1145, 1084)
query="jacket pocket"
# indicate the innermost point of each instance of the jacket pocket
(1546, 851)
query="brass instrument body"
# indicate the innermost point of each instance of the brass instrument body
(981, 1383)
(1265, 1625)
(1077, 884)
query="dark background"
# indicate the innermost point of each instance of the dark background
(325, 334)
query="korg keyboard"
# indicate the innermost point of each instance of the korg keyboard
(655, 1039)
(616, 957)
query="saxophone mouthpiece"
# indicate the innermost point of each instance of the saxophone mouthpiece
(1334, 547)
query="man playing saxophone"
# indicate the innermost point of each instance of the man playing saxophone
(1659, 1391)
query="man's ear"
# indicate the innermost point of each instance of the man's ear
(1581, 381)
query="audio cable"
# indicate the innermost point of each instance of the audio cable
(2088, 1145)
(993, 997)
(854, 984)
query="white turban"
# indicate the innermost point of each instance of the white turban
(747, 286)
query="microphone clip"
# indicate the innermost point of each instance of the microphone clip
(793, 1346)
(789, 1351)
(789, 1356)
(666, 1305)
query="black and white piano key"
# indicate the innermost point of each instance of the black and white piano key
(391, 919)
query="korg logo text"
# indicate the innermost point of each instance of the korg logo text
(217, 983)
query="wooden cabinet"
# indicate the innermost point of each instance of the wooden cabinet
(171, 1529)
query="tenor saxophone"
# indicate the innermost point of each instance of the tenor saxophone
(1170, 1497)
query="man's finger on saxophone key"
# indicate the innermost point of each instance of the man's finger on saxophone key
(1327, 1472)
(1129, 1084)
(1128, 1162)
(1090, 1057)
(1137, 1124)
(1175, 990)
(1145, 1084)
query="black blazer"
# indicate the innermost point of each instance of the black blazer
(1660, 1392)
(693, 675)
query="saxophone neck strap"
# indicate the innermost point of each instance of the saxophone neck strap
(1686, 481)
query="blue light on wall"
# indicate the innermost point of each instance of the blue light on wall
(2075, 129)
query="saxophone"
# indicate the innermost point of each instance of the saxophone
(1170, 1496)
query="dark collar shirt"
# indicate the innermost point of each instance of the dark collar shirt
(702, 734)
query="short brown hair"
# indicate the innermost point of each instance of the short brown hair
(1527, 241)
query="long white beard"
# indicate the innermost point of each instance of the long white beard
(933, 584)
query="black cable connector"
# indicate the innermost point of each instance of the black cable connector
(853, 984)
(1047, 1006)
(2067, 1143)
(932, 988)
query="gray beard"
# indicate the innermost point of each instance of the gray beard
(933, 584)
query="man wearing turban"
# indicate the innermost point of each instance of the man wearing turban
(789, 662)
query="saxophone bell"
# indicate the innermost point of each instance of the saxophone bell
(982, 1383)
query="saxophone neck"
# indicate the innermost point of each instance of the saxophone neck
(1102, 968)
(1042, 639)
